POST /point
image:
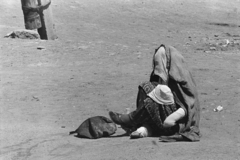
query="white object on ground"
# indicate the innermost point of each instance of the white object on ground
(23, 34)
(218, 109)
(144, 131)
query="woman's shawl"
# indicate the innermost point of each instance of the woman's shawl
(185, 93)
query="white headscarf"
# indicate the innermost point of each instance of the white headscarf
(162, 94)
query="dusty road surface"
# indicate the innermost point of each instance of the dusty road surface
(103, 52)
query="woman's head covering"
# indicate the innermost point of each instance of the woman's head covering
(162, 95)
(160, 65)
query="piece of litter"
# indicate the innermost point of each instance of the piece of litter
(227, 43)
(218, 109)
(23, 34)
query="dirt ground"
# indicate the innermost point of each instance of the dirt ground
(103, 52)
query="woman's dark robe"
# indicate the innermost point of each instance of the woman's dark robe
(185, 94)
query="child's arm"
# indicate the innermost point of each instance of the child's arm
(174, 117)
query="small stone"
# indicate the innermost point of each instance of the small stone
(213, 48)
(83, 47)
(41, 47)
(128, 110)
(112, 54)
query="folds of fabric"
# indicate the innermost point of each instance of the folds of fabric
(185, 93)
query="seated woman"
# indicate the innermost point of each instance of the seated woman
(178, 120)
(158, 101)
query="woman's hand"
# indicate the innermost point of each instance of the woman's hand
(173, 118)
